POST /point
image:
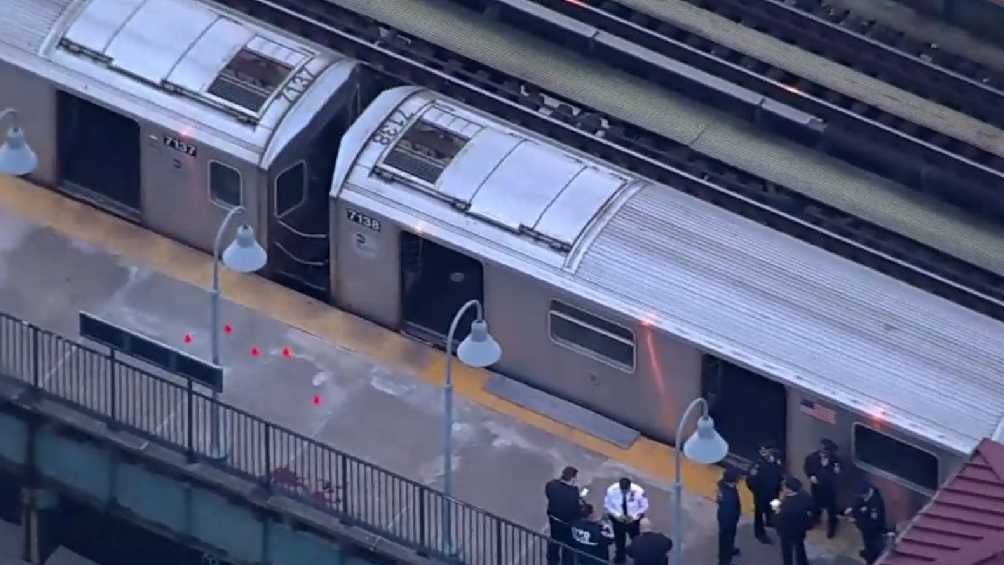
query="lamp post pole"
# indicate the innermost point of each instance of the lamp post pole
(677, 534)
(448, 423)
(216, 441)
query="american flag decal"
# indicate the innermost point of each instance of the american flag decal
(818, 411)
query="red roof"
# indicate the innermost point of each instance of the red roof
(964, 523)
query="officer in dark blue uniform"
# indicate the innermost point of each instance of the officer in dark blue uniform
(868, 512)
(729, 511)
(795, 515)
(564, 505)
(592, 537)
(764, 481)
(823, 468)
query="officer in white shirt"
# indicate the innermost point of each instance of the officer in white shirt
(625, 504)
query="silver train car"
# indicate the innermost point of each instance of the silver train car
(632, 298)
(604, 288)
(169, 112)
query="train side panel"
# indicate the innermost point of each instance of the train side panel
(368, 273)
(640, 377)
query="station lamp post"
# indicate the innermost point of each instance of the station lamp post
(479, 349)
(243, 255)
(704, 446)
(16, 157)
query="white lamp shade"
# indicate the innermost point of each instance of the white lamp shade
(244, 255)
(479, 349)
(706, 446)
(16, 157)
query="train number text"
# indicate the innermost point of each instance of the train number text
(362, 219)
(180, 146)
(390, 128)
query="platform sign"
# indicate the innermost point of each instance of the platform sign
(155, 353)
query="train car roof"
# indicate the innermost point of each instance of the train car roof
(217, 76)
(728, 285)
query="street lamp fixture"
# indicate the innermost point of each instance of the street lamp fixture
(16, 156)
(704, 446)
(243, 255)
(479, 349)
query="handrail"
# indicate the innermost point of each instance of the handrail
(357, 492)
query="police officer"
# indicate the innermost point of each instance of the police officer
(795, 515)
(649, 548)
(564, 505)
(823, 469)
(729, 511)
(625, 503)
(592, 537)
(868, 512)
(764, 481)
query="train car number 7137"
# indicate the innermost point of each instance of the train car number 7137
(362, 219)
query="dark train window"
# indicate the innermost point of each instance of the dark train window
(884, 453)
(592, 335)
(224, 184)
(249, 79)
(425, 150)
(290, 188)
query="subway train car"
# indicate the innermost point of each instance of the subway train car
(169, 112)
(632, 298)
(604, 288)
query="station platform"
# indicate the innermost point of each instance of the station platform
(716, 134)
(334, 377)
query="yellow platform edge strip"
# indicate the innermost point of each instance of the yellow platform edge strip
(84, 223)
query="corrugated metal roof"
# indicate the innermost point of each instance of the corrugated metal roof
(26, 23)
(964, 523)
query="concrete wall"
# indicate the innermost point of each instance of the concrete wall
(233, 520)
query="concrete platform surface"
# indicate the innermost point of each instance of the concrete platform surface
(379, 395)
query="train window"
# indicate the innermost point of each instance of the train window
(592, 335)
(425, 150)
(224, 184)
(290, 188)
(249, 79)
(879, 452)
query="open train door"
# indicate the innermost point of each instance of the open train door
(748, 409)
(435, 283)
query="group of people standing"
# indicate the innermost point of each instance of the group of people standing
(574, 523)
(781, 503)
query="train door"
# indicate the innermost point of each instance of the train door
(435, 282)
(748, 409)
(99, 154)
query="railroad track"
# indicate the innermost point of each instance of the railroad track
(411, 60)
(896, 148)
(871, 47)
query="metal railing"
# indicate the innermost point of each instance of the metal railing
(169, 412)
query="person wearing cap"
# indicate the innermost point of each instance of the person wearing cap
(823, 469)
(650, 547)
(564, 505)
(764, 481)
(729, 510)
(795, 515)
(592, 537)
(625, 504)
(868, 512)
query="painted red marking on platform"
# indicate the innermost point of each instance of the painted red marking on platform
(317, 400)
(287, 352)
(255, 351)
(188, 338)
(228, 329)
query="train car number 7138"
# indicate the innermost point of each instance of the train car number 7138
(362, 219)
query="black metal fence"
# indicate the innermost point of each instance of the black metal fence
(175, 416)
